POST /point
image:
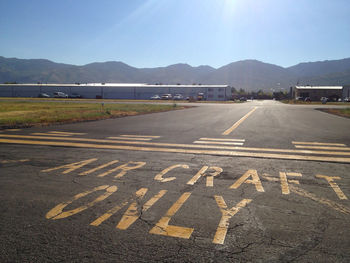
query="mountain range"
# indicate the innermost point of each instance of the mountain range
(250, 75)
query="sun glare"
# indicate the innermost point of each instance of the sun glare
(229, 7)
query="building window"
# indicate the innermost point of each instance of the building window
(210, 89)
(220, 96)
(221, 89)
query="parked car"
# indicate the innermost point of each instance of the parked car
(324, 100)
(307, 99)
(243, 99)
(347, 99)
(190, 99)
(59, 94)
(332, 99)
(178, 97)
(299, 98)
(167, 97)
(200, 96)
(75, 96)
(43, 95)
(155, 97)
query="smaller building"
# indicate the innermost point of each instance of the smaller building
(315, 93)
(346, 92)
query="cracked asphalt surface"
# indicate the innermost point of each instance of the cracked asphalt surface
(310, 223)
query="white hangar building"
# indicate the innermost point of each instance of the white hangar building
(315, 93)
(117, 90)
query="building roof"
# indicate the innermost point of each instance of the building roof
(137, 85)
(319, 87)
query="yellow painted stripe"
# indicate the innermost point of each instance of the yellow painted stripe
(189, 151)
(320, 143)
(163, 227)
(140, 136)
(334, 185)
(284, 183)
(139, 194)
(238, 148)
(200, 173)
(13, 161)
(99, 167)
(219, 143)
(153, 200)
(108, 214)
(323, 148)
(70, 133)
(304, 193)
(126, 138)
(50, 134)
(339, 207)
(175, 207)
(227, 214)
(132, 214)
(234, 126)
(12, 130)
(57, 211)
(219, 139)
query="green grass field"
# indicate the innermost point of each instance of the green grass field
(25, 114)
(340, 112)
(313, 102)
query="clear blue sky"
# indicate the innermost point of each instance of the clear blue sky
(149, 33)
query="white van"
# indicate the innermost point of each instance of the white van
(60, 95)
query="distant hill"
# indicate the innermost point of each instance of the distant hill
(247, 74)
(321, 67)
(178, 73)
(252, 75)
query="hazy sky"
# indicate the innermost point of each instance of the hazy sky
(149, 33)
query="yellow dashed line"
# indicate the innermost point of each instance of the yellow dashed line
(320, 143)
(12, 130)
(126, 138)
(50, 134)
(219, 139)
(179, 145)
(190, 151)
(13, 161)
(323, 148)
(69, 133)
(218, 143)
(140, 136)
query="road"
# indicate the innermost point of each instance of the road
(260, 181)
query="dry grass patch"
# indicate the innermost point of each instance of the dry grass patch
(340, 112)
(312, 102)
(26, 114)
